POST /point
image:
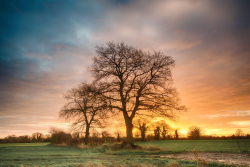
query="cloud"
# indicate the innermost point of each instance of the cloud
(46, 47)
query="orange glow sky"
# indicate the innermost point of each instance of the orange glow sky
(46, 48)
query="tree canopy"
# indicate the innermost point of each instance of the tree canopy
(84, 108)
(136, 82)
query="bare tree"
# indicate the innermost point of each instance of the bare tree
(176, 132)
(239, 133)
(165, 129)
(195, 132)
(157, 132)
(136, 82)
(164, 132)
(37, 136)
(142, 126)
(161, 128)
(84, 109)
(118, 135)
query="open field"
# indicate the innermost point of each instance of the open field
(43, 154)
(226, 146)
(24, 144)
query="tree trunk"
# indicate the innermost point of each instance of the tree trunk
(87, 135)
(129, 128)
(142, 135)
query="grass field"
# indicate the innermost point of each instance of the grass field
(24, 144)
(42, 154)
(226, 146)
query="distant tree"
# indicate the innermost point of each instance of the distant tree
(137, 135)
(195, 132)
(141, 125)
(105, 134)
(118, 136)
(163, 128)
(76, 135)
(136, 83)
(233, 136)
(176, 132)
(24, 139)
(12, 139)
(95, 133)
(157, 132)
(169, 136)
(239, 133)
(59, 136)
(164, 132)
(37, 137)
(85, 108)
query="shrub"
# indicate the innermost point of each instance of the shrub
(58, 136)
(95, 141)
(75, 142)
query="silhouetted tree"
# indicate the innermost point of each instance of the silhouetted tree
(24, 139)
(141, 125)
(165, 129)
(37, 137)
(239, 133)
(195, 132)
(85, 108)
(233, 136)
(176, 132)
(59, 136)
(95, 133)
(118, 136)
(105, 134)
(136, 83)
(164, 132)
(157, 132)
(76, 135)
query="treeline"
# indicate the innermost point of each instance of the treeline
(35, 137)
(159, 130)
(59, 136)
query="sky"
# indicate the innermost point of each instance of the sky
(46, 47)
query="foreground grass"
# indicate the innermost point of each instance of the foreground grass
(24, 144)
(47, 155)
(226, 146)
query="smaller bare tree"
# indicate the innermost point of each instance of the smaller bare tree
(84, 109)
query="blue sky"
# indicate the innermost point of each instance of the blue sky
(47, 46)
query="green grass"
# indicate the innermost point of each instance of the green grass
(24, 144)
(42, 154)
(226, 146)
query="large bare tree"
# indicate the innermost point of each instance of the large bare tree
(84, 108)
(136, 82)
